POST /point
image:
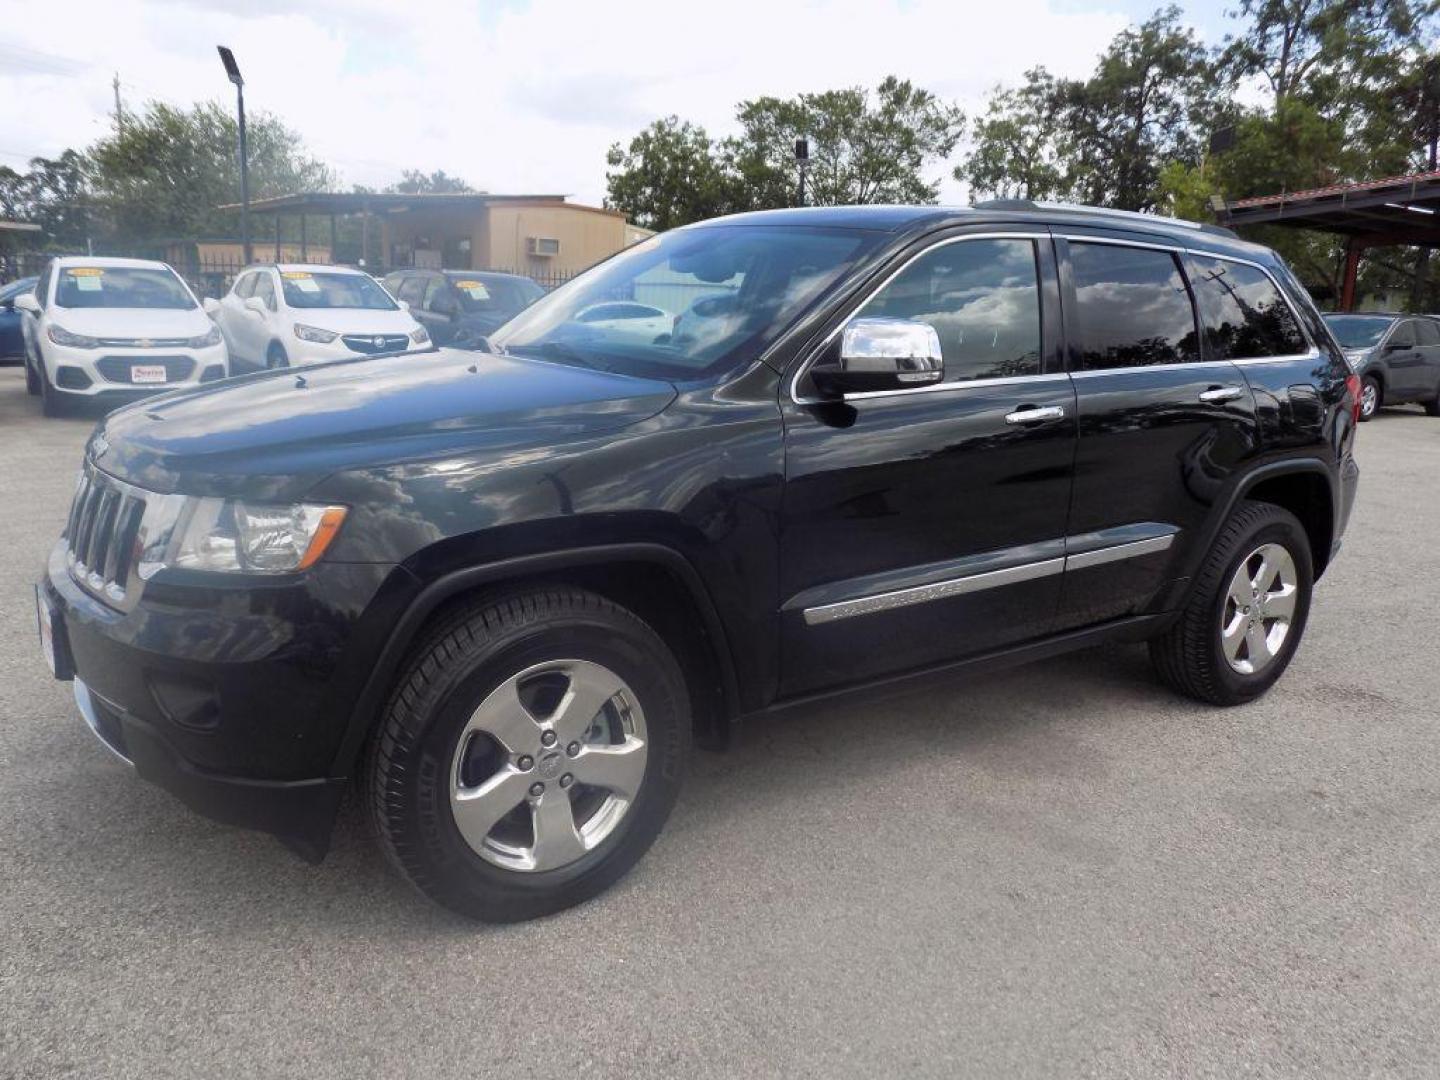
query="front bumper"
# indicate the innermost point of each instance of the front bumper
(235, 700)
(107, 372)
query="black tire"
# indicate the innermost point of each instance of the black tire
(275, 357)
(1367, 384)
(32, 382)
(52, 401)
(1189, 656)
(451, 673)
(1432, 407)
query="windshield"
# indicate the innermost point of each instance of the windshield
(495, 295)
(686, 304)
(1357, 331)
(315, 289)
(121, 287)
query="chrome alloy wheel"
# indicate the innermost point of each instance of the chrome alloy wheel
(548, 765)
(1369, 399)
(1259, 608)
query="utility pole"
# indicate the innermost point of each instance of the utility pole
(802, 160)
(232, 72)
(119, 107)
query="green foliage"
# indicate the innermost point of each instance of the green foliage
(669, 175)
(53, 193)
(1016, 143)
(165, 171)
(416, 182)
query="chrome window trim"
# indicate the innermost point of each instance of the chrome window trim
(989, 579)
(1033, 237)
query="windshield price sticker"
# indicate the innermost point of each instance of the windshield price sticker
(475, 289)
(306, 284)
(296, 275)
(86, 278)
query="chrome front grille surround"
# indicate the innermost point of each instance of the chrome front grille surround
(111, 525)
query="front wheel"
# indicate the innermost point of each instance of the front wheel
(32, 381)
(276, 358)
(530, 753)
(52, 401)
(1246, 612)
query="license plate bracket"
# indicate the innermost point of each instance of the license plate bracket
(53, 644)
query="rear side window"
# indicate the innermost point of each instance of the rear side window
(412, 290)
(1133, 308)
(265, 289)
(1403, 335)
(245, 285)
(983, 299)
(1245, 316)
(1427, 332)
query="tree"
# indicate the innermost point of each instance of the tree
(1015, 143)
(668, 176)
(415, 182)
(165, 172)
(54, 193)
(859, 152)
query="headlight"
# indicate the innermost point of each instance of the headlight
(60, 336)
(235, 537)
(315, 334)
(205, 340)
(419, 335)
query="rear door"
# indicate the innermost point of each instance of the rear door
(437, 309)
(1164, 422)
(924, 525)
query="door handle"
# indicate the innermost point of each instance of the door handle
(1033, 415)
(1218, 394)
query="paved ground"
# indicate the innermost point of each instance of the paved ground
(1062, 871)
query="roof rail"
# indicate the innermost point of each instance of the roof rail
(1103, 211)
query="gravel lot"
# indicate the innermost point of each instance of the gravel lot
(1060, 871)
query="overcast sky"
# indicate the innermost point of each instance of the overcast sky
(516, 95)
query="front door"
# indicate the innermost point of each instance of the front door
(1165, 420)
(925, 525)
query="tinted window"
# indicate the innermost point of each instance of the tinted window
(1358, 331)
(434, 288)
(1403, 335)
(320, 289)
(983, 299)
(121, 287)
(245, 285)
(1245, 315)
(1133, 307)
(1427, 332)
(495, 295)
(412, 290)
(775, 272)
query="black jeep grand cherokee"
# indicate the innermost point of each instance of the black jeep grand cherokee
(503, 591)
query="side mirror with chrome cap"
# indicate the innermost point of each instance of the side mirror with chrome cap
(881, 354)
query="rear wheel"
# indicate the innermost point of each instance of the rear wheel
(1432, 407)
(530, 754)
(275, 356)
(1370, 397)
(1246, 612)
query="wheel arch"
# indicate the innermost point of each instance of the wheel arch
(656, 582)
(1307, 490)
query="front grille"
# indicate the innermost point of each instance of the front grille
(117, 368)
(103, 538)
(142, 343)
(366, 343)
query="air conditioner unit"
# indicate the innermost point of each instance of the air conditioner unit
(543, 247)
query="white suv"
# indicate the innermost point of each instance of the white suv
(276, 316)
(114, 330)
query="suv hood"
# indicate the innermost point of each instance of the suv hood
(132, 322)
(277, 433)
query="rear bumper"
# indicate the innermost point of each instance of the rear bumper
(1349, 484)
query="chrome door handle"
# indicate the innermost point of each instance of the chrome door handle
(1035, 416)
(1221, 393)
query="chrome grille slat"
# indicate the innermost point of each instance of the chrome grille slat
(104, 530)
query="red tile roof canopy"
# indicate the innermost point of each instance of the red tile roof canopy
(1393, 210)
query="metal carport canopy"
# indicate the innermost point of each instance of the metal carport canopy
(1395, 211)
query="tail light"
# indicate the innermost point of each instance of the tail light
(1352, 387)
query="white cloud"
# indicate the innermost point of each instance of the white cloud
(514, 98)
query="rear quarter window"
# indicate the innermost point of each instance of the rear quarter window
(1245, 316)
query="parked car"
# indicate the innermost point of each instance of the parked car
(289, 314)
(12, 337)
(461, 307)
(503, 597)
(112, 330)
(1396, 356)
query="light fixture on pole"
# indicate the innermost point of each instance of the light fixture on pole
(232, 72)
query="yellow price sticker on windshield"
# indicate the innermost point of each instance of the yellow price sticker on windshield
(84, 271)
(296, 275)
(476, 289)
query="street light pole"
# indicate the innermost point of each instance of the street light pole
(802, 160)
(232, 71)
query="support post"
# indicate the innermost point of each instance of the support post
(365, 234)
(304, 243)
(1353, 247)
(277, 236)
(332, 238)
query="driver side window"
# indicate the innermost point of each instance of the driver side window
(265, 289)
(983, 299)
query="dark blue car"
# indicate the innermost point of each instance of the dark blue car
(12, 343)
